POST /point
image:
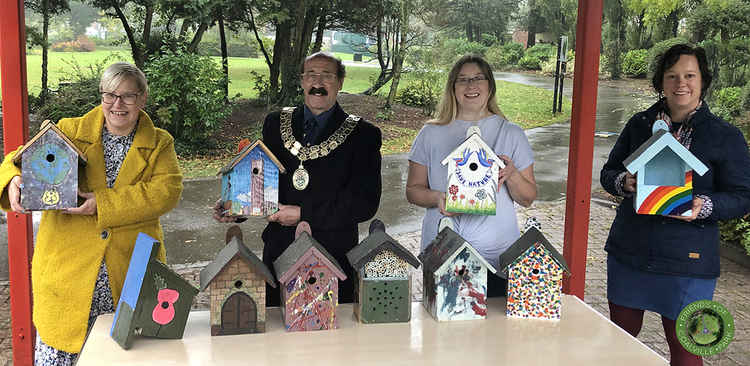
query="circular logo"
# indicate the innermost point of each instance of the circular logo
(50, 197)
(705, 328)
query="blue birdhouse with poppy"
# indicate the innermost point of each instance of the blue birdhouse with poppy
(250, 182)
(155, 301)
(50, 164)
(473, 172)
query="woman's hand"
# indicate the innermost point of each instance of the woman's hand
(697, 206)
(521, 184)
(88, 207)
(441, 205)
(287, 215)
(507, 172)
(629, 184)
(220, 214)
(14, 194)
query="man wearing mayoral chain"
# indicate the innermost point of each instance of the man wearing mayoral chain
(333, 164)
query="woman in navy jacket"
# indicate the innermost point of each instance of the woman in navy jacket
(661, 263)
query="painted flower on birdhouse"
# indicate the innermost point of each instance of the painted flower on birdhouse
(164, 309)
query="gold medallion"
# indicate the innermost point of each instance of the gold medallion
(300, 178)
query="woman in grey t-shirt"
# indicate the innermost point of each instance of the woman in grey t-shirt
(469, 100)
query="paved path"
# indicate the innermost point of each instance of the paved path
(732, 289)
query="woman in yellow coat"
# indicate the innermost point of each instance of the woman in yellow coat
(81, 255)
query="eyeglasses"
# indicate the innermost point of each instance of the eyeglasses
(111, 98)
(325, 77)
(469, 81)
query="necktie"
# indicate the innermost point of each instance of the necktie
(310, 126)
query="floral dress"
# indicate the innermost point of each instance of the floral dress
(115, 149)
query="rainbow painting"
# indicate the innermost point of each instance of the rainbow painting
(667, 200)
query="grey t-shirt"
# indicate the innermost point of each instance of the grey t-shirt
(489, 235)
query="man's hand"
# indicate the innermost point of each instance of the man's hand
(88, 207)
(697, 206)
(287, 215)
(14, 194)
(221, 214)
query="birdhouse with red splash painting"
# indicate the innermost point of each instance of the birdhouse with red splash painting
(309, 278)
(534, 269)
(236, 281)
(455, 278)
(50, 165)
(250, 182)
(473, 173)
(155, 301)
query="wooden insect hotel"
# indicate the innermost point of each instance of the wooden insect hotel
(236, 281)
(473, 172)
(535, 270)
(664, 172)
(155, 301)
(309, 278)
(250, 182)
(455, 278)
(383, 286)
(50, 165)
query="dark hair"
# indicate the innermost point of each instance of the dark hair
(340, 69)
(670, 58)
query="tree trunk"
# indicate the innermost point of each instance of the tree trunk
(384, 77)
(193, 47)
(399, 54)
(137, 51)
(45, 49)
(385, 73)
(224, 57)
(319, 33)
(305, 17)
(257, 37)
(148, 21)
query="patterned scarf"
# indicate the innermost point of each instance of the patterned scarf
(683, 134)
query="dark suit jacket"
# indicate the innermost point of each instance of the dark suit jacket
(344, 190)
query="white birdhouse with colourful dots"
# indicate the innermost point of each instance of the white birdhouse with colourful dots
(535, 270)
(473, 172)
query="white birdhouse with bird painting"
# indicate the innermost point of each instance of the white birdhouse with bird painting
(473, 172)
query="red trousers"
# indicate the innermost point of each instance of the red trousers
(631, 320)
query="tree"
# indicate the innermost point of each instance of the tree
(549, 16)
(475, 18)
(615, 35)
(47, 8)
(81, 17)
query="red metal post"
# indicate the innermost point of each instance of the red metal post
(580, 157)
(16, 131)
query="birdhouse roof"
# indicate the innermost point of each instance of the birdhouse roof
(659, 141)
(243, 153)
(299, 249)
(529, 238)
(47, 125)
(375, 243)
(446, 246)
(235, 248)
(458, 151)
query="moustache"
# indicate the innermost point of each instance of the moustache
(314, 90)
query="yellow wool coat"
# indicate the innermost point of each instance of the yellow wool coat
(69, 248)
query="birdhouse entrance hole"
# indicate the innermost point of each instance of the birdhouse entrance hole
(238, 284)
(665, 169)
(473, 166)
(311, 280)
(535, 271)
(256, 171)
(50, 157)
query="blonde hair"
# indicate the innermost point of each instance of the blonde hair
(118, 72)
(448, 107)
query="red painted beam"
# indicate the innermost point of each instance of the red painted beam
(16, 131)
(580, 157)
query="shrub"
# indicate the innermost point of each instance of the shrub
(82, 44)
(234, 49)
(452, 49)
(746, 96)
(535, 56)
(262, 85)
(77, 93)
(634, 63)
(736, 231)
(423, 90)
(658, 50)
(504, 56)
(188, 97)
(727, 103)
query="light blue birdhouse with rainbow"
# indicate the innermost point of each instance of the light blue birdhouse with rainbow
(50, 164)
(664, 171)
